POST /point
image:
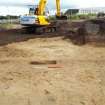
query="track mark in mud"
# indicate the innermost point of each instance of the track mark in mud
(47, 64)
(44, 62)
(4, 61)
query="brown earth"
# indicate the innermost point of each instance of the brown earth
(47, 70)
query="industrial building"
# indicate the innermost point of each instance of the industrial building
(94, 10)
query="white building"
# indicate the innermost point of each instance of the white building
(91, 10)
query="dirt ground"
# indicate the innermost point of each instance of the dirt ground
(76, 78)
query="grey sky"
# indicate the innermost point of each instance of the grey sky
(12, 6)
(80, 3)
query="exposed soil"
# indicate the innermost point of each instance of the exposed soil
(47, 70)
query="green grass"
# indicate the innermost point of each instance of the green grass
(6, 26)
(82, 16)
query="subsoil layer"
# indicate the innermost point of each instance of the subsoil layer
(47, 70)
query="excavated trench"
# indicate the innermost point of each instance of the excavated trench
(82, 32)
(78, 32)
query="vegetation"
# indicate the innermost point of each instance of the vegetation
(77, 16)
(6, 26)
(82, 16)
(74, 15)
(8, 17)
(101, 15)
(52, 18)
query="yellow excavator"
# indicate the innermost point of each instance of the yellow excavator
(37, 16)
(59, 15)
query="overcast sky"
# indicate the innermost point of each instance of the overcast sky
(65, 4)
(79, 3)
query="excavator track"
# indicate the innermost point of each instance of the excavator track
(39, 30)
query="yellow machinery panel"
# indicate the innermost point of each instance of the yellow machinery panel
(42, 20)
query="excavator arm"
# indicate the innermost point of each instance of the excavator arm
(41, 7)
(58, 8)
(40, 12)
(59, 16)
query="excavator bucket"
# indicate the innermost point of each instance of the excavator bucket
(62, 17)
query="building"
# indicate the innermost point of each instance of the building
(72, 12)
(85, 11)
(91, 10)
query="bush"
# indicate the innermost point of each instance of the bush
(8, 17)
(52, 17)
(74, 17)
(82, 16)
(6, 26)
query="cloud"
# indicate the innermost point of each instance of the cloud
(11, 10)
(79, 3)
(14, 2)
(65, 4)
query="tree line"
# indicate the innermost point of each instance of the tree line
(8, 17)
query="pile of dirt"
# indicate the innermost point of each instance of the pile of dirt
(78, 32)
(81, 32)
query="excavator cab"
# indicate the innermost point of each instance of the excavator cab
(31, 11)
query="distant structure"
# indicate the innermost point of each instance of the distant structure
(85, 11)
(91, 10)
(72, 12)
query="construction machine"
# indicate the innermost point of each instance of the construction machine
(37, 16)
(59, 15)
